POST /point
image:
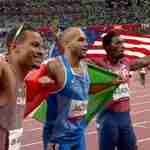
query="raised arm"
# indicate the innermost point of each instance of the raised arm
(140, 63)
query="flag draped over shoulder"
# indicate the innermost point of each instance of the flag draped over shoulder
(97, 101)
(135, 46)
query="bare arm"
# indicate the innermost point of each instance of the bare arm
(140, 63)
(48, 78)
(56, 72)
(7, 83)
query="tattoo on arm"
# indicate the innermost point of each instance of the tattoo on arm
(56, 72)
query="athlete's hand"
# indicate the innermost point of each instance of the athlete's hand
(118, 81)
(45, 81)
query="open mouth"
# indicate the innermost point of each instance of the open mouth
(38, 60)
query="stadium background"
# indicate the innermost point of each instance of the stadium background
(42, 13)
(100, 13)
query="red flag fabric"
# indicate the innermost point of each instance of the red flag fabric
(35, 91)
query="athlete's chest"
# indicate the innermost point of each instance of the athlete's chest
(78, 86)
(122, 70)
(20, 94)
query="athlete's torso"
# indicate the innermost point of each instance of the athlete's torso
(67, 108)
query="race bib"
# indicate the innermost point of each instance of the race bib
(121, 92)
(78, 108)
(15, 139)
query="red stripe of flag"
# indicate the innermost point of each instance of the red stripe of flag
(136, 45)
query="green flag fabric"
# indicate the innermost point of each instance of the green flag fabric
(99, 75)
(97, 101)
(40, 113)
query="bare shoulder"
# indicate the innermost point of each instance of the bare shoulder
(4, 66)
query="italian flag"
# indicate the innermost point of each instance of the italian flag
(99, 78)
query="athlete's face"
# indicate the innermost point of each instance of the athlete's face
(30, 50)
(115, 49)
(78, 45)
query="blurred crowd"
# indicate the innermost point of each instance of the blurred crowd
(78, 12)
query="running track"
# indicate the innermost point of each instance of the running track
(140, 110)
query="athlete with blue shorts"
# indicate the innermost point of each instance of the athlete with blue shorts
(69, 80)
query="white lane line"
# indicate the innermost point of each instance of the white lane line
(32, 130)
(140, 96)
(141, 122)
(40, 142)
(27, 145)
(135, 124)
(91, 133)
(139, 112)
(139, 141)
(143, 140)
(28, 120)
(137, 104)
(142, 126)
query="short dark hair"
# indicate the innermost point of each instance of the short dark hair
(18, 33)
(107, 39)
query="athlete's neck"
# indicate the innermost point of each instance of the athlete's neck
(113, 60)
(17, 68)
(74, 61)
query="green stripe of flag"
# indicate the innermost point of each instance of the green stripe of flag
(97, 101)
